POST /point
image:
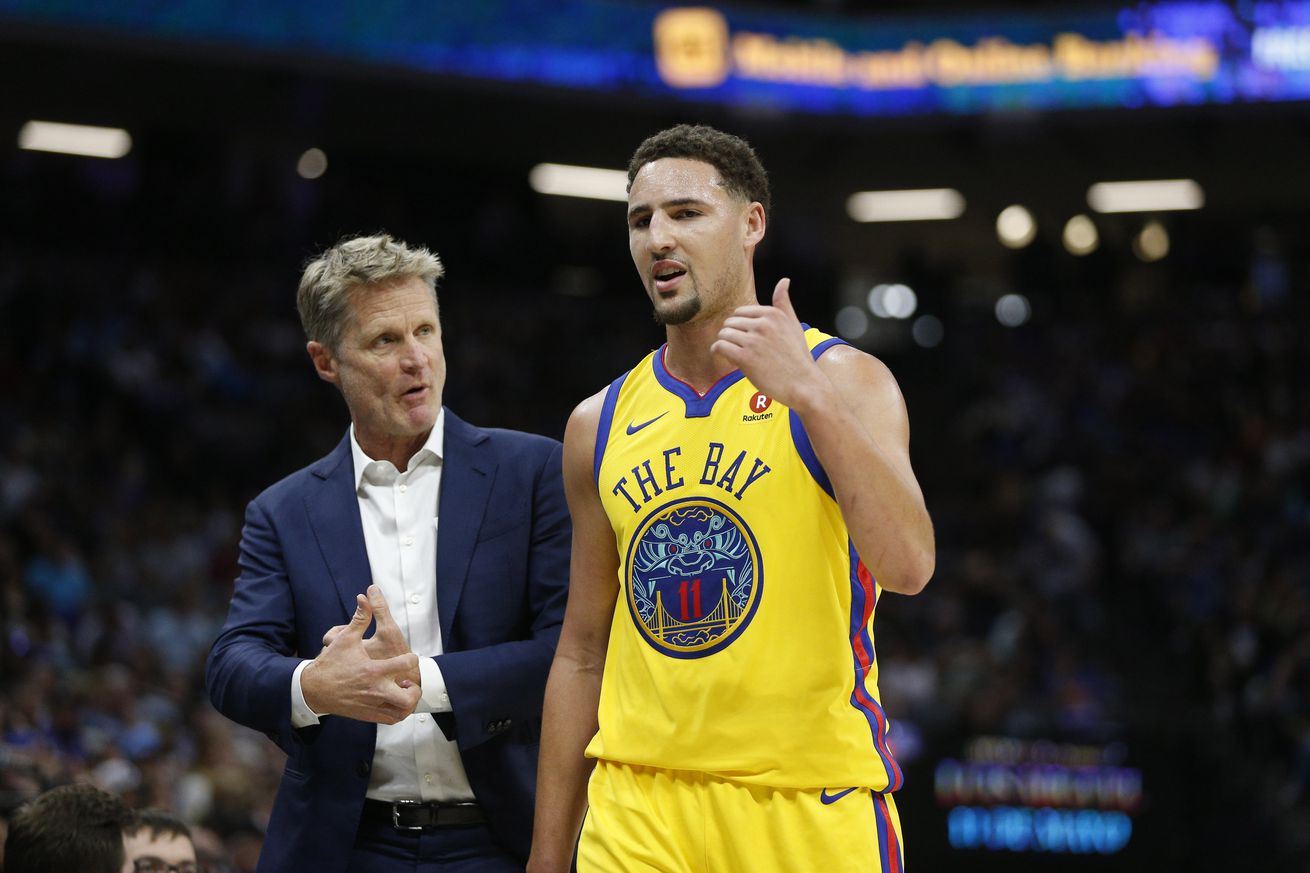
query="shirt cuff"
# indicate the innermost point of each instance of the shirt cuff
(435, 698)
(301, 714)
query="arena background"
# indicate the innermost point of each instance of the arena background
(1110, 669)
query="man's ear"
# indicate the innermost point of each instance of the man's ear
(325, 363)
(755, 223)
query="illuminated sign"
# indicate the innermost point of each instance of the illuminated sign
(1152, 54)
(693, 50)
(1027, 796)
(1168, 53)
(1282, 48)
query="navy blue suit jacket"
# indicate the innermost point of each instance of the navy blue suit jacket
(502, 571)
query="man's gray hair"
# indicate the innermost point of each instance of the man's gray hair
(356, 262)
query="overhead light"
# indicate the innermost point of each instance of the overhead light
(74, 139)
(312, 164)
(893, 301)
(1015, 227)
(1152, 243)
(927, 331)
(1080, 236)
(569, 181)
(1013, 310)
(1165, 195)
(852, 322)
(921, 204)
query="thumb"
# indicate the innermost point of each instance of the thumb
(782, 297)
(378, 604)
(360, 620)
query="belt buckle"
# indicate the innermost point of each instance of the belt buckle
(396, 807)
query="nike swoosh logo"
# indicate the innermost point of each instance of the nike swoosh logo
(633, 428)
(833, 798)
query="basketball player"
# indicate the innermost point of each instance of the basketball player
(740, 499)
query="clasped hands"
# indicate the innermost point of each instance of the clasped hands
(375, 679)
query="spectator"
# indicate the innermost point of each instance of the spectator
(160, 843)
(69, 828)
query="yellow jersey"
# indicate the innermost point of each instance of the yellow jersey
(742, 638)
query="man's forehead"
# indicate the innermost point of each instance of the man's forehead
(389, 298)
(168, 847)
(675, 177)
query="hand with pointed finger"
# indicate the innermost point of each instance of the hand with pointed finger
(387, 640)
(767, 343)
(345, 680)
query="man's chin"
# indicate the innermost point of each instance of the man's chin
(680, 312)
(419, 421)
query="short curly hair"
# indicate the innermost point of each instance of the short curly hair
(738, 165)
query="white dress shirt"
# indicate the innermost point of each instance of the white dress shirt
(413, 759)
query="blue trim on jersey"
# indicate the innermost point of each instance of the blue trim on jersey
(801, 440)
(883, 824)
(698, 406)
(606, 420)
(827, 344)
(872, 711)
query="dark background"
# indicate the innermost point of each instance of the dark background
(1119, 486)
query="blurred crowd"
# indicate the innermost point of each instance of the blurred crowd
(1121, 490)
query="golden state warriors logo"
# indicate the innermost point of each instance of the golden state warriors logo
(694, 577)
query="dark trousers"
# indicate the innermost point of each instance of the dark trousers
(380, 848)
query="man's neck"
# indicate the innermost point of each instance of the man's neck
(688, 355)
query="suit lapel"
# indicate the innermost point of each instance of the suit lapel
(333, 509)
(468, 468)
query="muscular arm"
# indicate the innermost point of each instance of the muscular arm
(855, 416)
(573, 689)
(860, 431)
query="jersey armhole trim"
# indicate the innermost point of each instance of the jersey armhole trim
(606, 420)
(801, 440)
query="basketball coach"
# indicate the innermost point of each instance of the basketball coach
(399, 600)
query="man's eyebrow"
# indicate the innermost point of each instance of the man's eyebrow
(641, 208)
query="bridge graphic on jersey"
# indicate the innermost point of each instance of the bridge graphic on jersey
(723, 616)
(690, 552)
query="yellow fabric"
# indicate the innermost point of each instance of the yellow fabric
(733, 650)
(644, 820)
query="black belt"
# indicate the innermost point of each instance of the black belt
(414, 815)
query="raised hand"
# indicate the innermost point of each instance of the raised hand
(768, 344)
(346, 680)
(387, 640)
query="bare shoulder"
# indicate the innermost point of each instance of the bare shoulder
(851, 369)
(589, 410)
(585, 419)
(580, 436)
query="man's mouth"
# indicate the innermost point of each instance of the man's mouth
(667, 275)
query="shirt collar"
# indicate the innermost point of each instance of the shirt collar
(433, 449)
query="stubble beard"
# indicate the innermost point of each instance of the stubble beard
(679, 313)
(684, 311)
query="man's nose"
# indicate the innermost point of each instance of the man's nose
(412, 357)
(661, 239)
